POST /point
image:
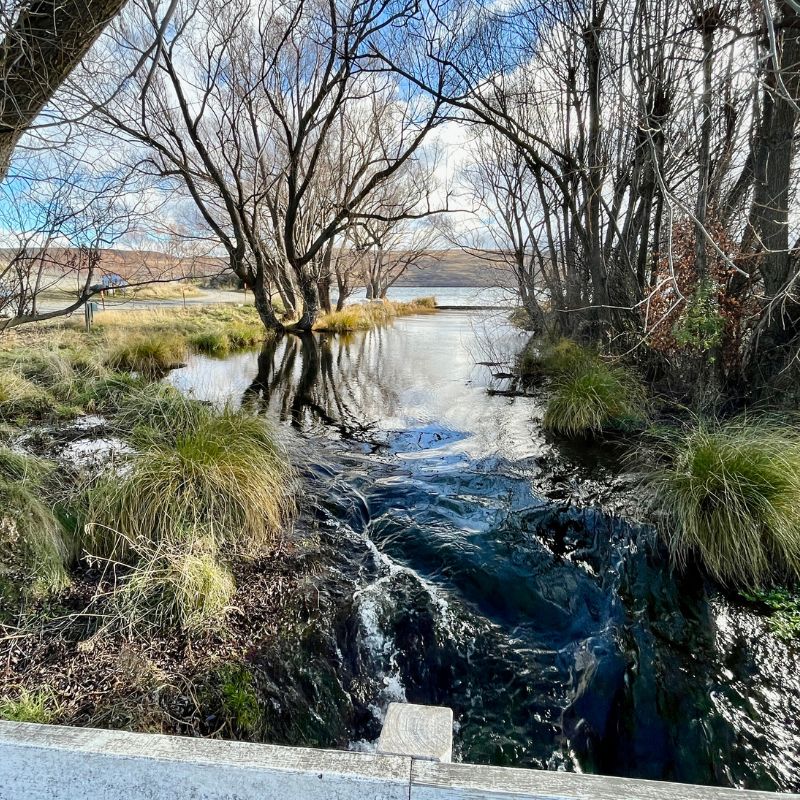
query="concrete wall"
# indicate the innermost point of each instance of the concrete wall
(43, 762)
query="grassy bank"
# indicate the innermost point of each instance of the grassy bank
(725, 494)
(59, 370)
(363, 316)
(152, 549)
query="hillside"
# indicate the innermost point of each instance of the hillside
(453, 268)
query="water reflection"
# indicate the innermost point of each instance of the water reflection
(316, 383)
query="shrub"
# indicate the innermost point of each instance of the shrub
(554, 357)
(730, 494)
(219, 475)
(211, 342)
(520, 318)
(150, 355)
(33, 550)
(37, 706)
(593, 398)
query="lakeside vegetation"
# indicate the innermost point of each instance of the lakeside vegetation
(156, 540)
(724, 491)
(148, 540)
(362, 316)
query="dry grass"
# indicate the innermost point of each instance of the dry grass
(172, 290)
(33, 548)
(151, 355)
(363, 316)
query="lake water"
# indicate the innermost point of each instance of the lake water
(461, 558)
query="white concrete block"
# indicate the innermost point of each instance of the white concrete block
(424, 732)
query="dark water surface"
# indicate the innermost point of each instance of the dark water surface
(460, 559)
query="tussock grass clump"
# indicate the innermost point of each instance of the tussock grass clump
(33, 549)
(211, 342)
(182, 583)
(217, 473)
(149, 355)
(363, 316)
(350, 318)
(39, 706)
(201, 489)
(242, 334)
(20, 397)
(730, 495)
(593, 398)
(554, 357)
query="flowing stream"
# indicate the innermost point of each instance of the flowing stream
(457, 557)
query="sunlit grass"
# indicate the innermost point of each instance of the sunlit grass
(150, 355)
(594, 397)
(167, 290)
(33, 547)
(221, 474)
(730, 496)
(211, 342)
(363, 316)
(39, 706)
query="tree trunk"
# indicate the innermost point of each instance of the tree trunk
(36, 56)
(310, 295)
(769, 217)
(263, 302)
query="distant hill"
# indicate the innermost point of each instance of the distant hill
(456, 268)
(440, 268)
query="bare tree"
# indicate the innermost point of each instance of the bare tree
(273, 121)
(59, 217)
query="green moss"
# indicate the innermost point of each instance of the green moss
(730, 494)
(785, 607)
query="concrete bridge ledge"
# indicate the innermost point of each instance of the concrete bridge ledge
(45, 762)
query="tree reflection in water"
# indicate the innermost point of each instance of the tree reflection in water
(323, 382)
